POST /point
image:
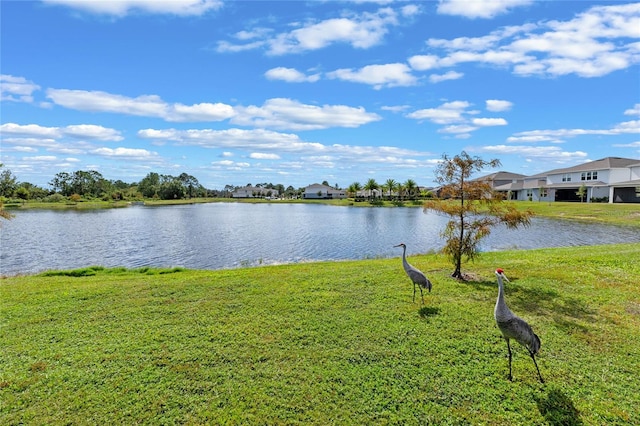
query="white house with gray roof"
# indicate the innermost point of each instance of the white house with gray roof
(614, 179)
(319, 191)
(254, 192)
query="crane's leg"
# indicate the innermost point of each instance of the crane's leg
(533, 357)
(509, 349)
(414, 292)
(421, 294)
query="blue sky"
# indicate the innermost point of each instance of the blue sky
(294, 92)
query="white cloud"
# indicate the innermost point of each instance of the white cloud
(281, 113)
(410, 10)
(145, 106)
(97, 101)
(41, 158)
(633, 111)
(486, 122)
(230, 165)
(594, 43)
(424, 62)
(199, 112)
(626, 127)
(274, 113)
(92, 131)
(120, 8)
(120, 152)
(29, 130)
(394, 108)
(361, 31)
(449, 75)
(551, 154)
(290, 75)
(447, 113)
(81, 131)
(16, 89)
(379, 76)
(627, 145)
(558, 135)
(256, 139)
(479, 8)
(458, 129)
(263, 156)
(496, 105)
(23, 149)
(269, 142)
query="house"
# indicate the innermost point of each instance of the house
(613, 179)
(319, 191)
(254, 192)
(507, 182)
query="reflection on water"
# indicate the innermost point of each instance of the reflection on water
(226, 235)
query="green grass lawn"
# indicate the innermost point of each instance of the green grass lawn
(325, 343)
(613, 214)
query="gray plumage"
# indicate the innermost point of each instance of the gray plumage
(416, 275)
(514, 327)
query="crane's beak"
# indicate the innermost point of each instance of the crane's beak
(505, 277)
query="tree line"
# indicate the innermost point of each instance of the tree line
(90, 184)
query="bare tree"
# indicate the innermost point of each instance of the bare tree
(472, 206)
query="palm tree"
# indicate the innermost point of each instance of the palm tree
(400, 188)
(410, 186)
(371, 186)
(354, 188)
(390, 184)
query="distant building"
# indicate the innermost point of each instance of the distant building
(318, 191)
(254, 192)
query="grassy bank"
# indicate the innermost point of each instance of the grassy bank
(324, 343)
(614, 214)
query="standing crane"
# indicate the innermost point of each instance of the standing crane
(416, 275)
(514, 327)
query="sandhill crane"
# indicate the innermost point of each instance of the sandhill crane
(416, 275)
(514, 327)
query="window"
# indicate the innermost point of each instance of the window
(589, 176)
(566, 177)
(637, 191)
(594, 175)
(543, 192)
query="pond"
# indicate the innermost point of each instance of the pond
(228, 235)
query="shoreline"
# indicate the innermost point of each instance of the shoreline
(624, 214)
(312, 263)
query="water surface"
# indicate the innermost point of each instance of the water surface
(227, 235)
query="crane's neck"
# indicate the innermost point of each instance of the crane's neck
(404, 257)
(501, 307)
(500, 290)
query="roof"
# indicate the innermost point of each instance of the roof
(509, 186)
(602, 164)
(635, 182)
(319, 186)
(501, 176)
